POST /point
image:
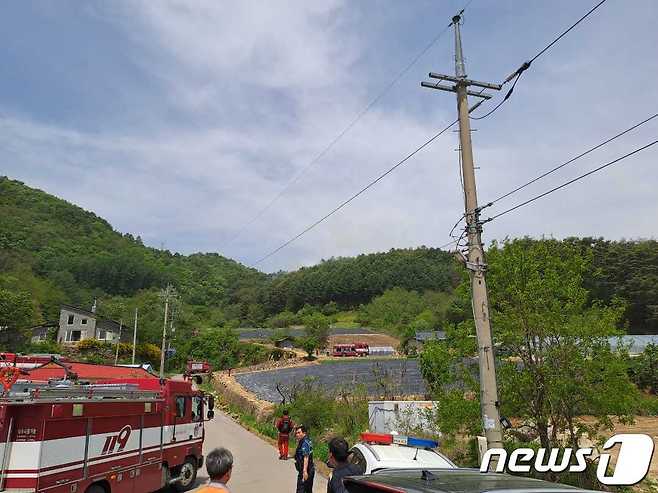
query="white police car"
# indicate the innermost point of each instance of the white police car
(379, 452)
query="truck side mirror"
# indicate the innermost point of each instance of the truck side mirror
(211, 414)
(211, 402)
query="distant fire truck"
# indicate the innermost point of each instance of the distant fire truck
(196, 370)
(354, 349)
(29, 361)
(121, 436)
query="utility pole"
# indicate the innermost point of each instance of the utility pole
(475, 262)
(167, 294)
(135, 336)
(116, 356)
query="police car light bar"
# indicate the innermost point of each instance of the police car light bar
(388, 439)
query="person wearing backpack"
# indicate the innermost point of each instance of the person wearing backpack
(284, 426)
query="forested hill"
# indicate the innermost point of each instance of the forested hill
(356, 280)
(62, 253)
(53, 252)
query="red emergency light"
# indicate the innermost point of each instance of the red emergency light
(388, 439)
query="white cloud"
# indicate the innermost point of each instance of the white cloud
(256, 90)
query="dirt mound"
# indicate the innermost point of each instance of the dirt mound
(370, 339)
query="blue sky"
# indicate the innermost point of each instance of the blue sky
(179, 120)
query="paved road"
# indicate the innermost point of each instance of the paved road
(257, 467)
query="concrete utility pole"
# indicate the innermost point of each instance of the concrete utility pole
(167, 294)
(475, 262)
(135, 336)
(116, 356)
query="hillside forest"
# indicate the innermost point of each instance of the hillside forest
(53, 252)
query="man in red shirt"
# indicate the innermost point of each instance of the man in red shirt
(284, 425)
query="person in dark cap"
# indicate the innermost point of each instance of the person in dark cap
(338, 454)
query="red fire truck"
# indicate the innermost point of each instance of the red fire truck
(354, 349)
(196, 370)
(121, 436)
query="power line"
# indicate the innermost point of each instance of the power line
(448, 244)
(516, 75)
(507, 96)
(592, 149)
(571, 181)
(340, 135)
(347, 201)
(565, 32)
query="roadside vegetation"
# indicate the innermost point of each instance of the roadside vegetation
(555, 364)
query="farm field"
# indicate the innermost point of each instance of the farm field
(393, 376)
(370, 339)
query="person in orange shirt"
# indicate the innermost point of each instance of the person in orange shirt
(219, 464)
(284, 425)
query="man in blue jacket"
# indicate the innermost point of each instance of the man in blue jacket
(304, 461)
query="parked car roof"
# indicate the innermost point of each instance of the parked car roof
(393, 456)
(450, 481)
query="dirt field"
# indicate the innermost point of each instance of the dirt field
(370, 339)
(643, 424)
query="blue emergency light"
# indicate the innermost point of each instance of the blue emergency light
(387, 438)
(422, 442)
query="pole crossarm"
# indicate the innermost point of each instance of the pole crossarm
(441, 87)
(468, 82)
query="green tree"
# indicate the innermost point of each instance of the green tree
(316, 327)
(561, 365)
(644, 369)
(220, 347)
(394, 310)
(309, 344)
(17, 314)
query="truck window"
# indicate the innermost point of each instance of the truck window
(197, 410)
(180, 406)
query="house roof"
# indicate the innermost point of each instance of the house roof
(79, 310)
(432, 335)
(44, 327)
(85, 371)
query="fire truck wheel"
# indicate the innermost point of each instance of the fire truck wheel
(95, 488)
(187, 475)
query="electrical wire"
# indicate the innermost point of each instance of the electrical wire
(507, 96)
(354, 196)
(565, 32)
(341, 134)
(522, 204)
(516, 75)
(588, 151)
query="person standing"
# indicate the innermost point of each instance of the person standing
(284, 426)
(219, 464)
(304, 461)
(338, 454)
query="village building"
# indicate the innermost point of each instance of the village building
(77, 324)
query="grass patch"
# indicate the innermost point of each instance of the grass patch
(346, 317)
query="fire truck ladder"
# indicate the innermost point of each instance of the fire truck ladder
(60, 391)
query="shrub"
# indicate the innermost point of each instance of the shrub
(90, 344)
(648, 405)
(148, 352)
(46, 347)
